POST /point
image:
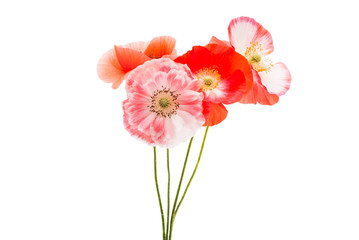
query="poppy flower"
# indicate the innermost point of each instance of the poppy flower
(252, 40)
(164, 105)
(116, 63)
(224, 76)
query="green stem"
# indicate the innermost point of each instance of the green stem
(158, 194)
(194, 172)
(179, 188)
(168, 191)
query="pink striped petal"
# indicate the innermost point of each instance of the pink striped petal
(132, 128)
(157, 129)
(244, 30)
(277, 80)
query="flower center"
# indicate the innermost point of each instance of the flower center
(209, 78)
(208, 81)
(164, 102)
(256, 58)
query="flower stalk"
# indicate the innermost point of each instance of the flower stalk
(158, 193)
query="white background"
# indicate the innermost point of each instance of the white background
(69, 170)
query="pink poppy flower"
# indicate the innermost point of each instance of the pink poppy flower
(164, 105)
(253, 41)
(118, 62)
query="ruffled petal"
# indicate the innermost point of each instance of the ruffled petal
(161, 46)
(259, 93)
(214, 113)
(244, 30)
(277, 80)
(153, 123)
(109, 70)
(129, 59)
(132, 128)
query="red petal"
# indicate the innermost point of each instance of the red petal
(228, 61)
(232, 87)
(195, 59)
(259, 93)
(129, 59)
(214, 113)
(161, 46)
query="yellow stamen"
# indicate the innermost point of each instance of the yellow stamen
(256, 58)
(209, 77)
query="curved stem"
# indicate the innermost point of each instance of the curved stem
(168, 191)
(179, 188)
(194, 172)
(158, 193)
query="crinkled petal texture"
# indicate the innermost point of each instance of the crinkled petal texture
(224, 74)
(243, 31)
(116, 63)
(164, 105)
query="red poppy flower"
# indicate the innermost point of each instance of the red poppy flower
(116, 63)
(224, 74)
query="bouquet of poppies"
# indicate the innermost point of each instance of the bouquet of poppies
(170, 97)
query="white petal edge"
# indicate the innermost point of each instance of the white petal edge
(244, 30)
(277, 80)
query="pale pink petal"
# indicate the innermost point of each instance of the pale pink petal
(176, 79)
(215, 40)
(160, 78)
(109, 70)
(244, 30)
(277, 80)
(189, 96)
(138, 46)
(185, 126)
